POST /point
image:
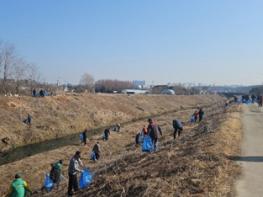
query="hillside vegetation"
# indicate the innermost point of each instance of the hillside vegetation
(62, 115)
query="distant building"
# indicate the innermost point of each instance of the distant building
(158, 89)
(168, 91)
(134, 91)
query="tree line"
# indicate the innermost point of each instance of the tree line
(88, 84)
(16, 74)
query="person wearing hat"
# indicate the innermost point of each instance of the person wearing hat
(18, 187)
(74, 168)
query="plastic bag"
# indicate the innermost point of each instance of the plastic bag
(192, 119)
(147, 145)
(93, 156)
(81, 137)
(48, 183)
(103, 136)
(141, 137)
(85, 179)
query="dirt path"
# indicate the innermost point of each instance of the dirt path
(250, 184)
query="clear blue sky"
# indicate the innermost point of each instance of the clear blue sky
(206, 41)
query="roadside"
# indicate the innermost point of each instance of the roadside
(250, 183)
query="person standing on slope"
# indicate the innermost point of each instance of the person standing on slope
(154, 132)
(96, 150)
(74, 168)
(201, 114)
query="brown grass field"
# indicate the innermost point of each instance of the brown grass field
(63, 115)
(194, 165)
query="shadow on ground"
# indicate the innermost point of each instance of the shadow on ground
(246, 158)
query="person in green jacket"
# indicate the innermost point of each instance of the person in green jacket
(56, 172)
(19, 187)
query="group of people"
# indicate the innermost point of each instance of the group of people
(41, 93)
(154, 131)
(75, 167)
(19, 187)
(106, 133)
(251, 99)
(198, 115)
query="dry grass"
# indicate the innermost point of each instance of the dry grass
(62, 115)
(120, 145)
(195, 165)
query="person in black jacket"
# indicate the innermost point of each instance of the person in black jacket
(84, 136)
(201, 114)
(106, 134)
(178, 127)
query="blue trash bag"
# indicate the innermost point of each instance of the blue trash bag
(85, 179)
(192, 119)
(103, 136)
(93, 156)
(147, 145)
(248, 102)
(48, 183)
(141, 137)
(81, 137)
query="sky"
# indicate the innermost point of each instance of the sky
(199, 41)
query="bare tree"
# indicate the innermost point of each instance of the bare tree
(19, 73)
(33, 75)
(87, 81)
(8, 59)
(109, 85)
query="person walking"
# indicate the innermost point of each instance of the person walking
(74, 168)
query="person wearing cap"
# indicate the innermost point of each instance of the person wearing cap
(74, 168)
(18, 187)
